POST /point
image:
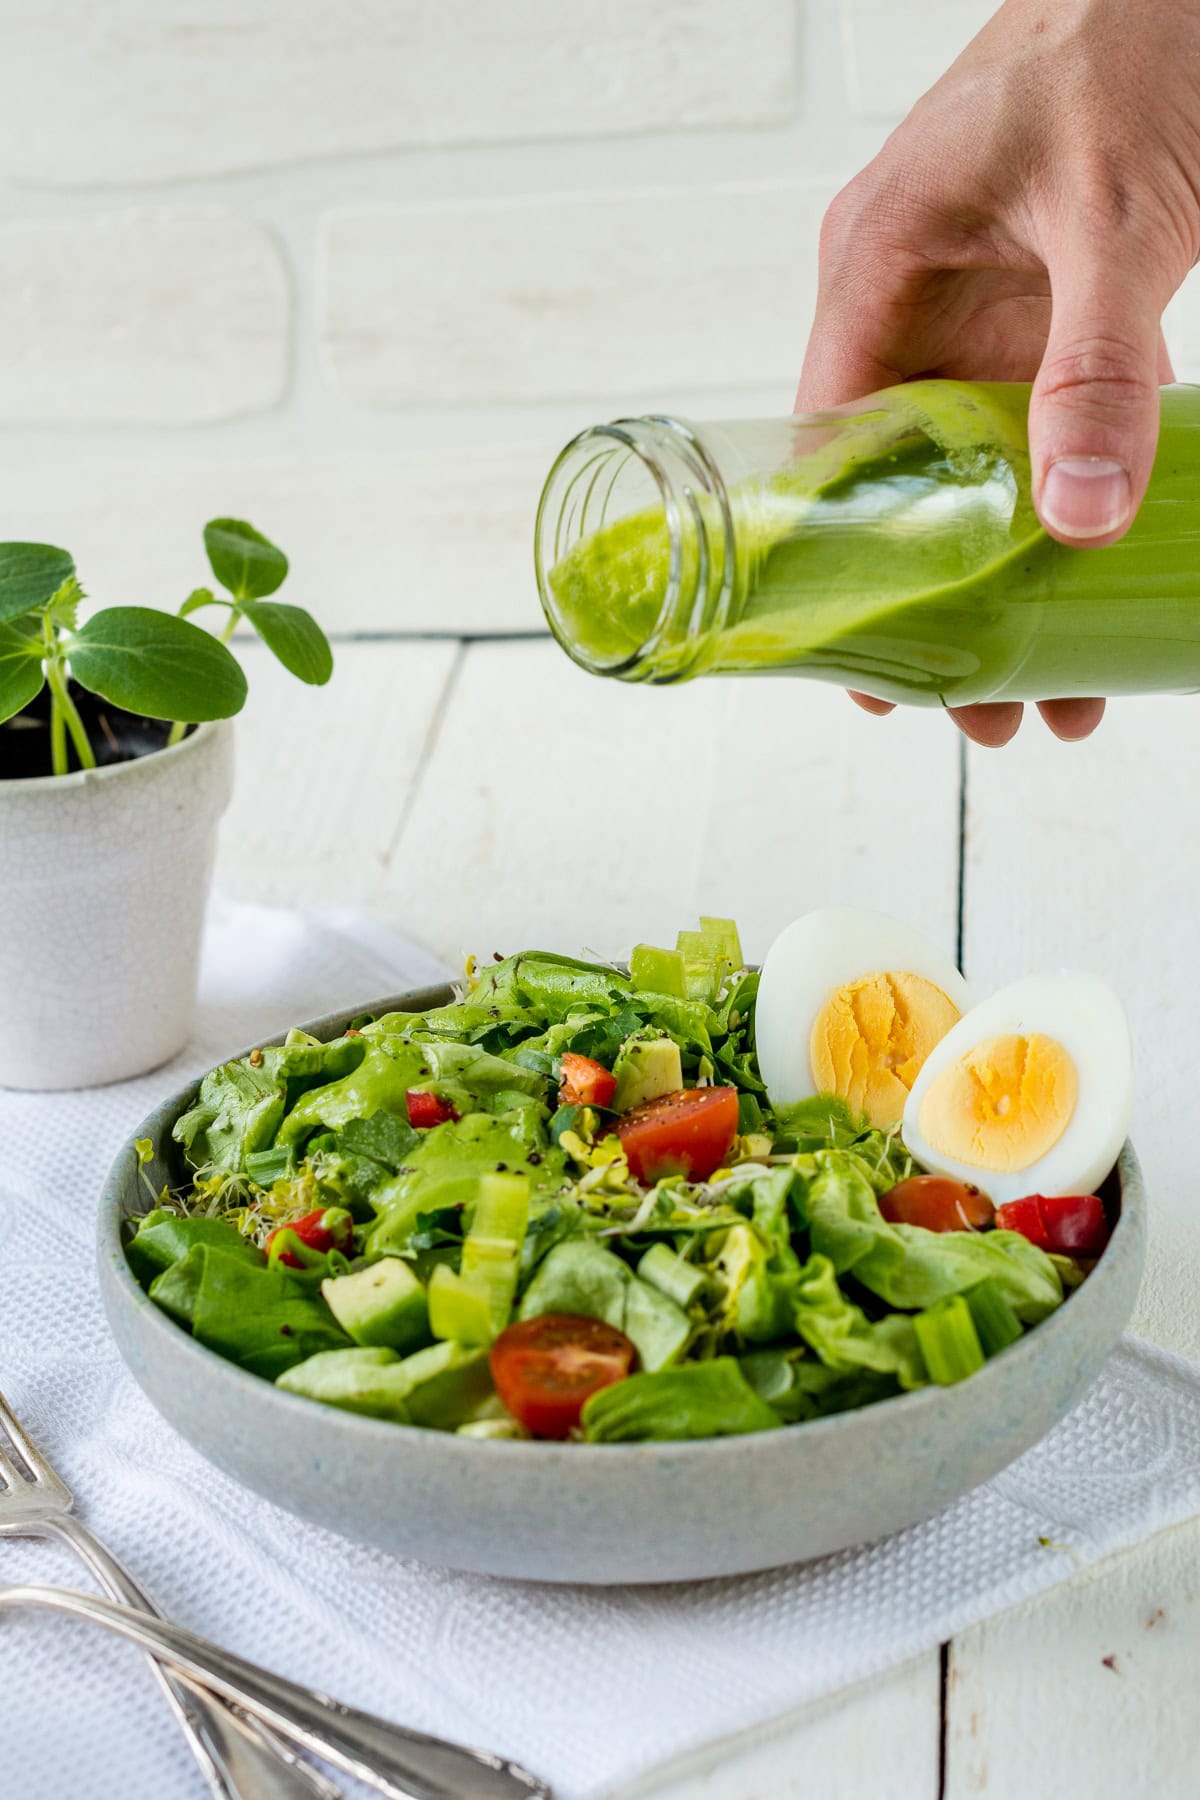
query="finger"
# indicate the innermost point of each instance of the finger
(847, 354)
(992, 725)
(1072, 720)
(1093, 418)
(878, 709)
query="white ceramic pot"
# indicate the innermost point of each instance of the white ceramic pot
(103, 881)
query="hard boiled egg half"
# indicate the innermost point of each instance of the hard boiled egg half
(1029, 1093)
(853, 1003)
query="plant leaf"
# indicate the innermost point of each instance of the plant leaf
(29, 575)
(200, 597)
(21, 674)
(157, 664)
(295, 638)
(243, 560)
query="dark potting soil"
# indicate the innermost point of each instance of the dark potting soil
(115, 736)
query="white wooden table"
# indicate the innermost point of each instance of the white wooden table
(483, 794)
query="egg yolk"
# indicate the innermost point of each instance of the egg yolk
(1003, 1104)
(871, 1038)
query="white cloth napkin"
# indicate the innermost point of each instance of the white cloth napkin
(588, 1687)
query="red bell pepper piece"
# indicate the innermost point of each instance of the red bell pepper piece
(1026, 1217)
(583, 1082)
(329, 1228)
(426, 1110)
(1067, 1224)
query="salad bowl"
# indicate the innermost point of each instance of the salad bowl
(607, 1513)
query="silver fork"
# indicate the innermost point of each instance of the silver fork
(239, 1758)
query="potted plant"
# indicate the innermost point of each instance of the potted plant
(116, 763)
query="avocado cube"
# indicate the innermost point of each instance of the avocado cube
(646, 1068)
(382, 1305)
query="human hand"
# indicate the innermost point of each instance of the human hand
(1029, 221)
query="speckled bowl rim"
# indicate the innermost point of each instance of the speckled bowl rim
(1127, 1240)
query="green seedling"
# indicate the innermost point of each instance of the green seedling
(154, 663)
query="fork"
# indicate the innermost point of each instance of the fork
(403, 1764)
(240, 1758)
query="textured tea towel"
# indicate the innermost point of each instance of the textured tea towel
(590, 1688)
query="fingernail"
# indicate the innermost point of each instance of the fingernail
(1085, 496)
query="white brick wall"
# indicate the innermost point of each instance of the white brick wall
(626, 294)
(210, 86)
(358, 271)
(139, 317)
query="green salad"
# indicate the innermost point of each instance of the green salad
(563, 1207)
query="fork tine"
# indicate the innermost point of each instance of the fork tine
(41, 1474)
(11, 1478)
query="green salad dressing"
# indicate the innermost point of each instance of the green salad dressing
(894, 549)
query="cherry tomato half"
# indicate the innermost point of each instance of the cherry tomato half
(426, 1110)
(687, 1133)
(329, 1228)
(937, 1203)
(584, 1082)
(545, 1368)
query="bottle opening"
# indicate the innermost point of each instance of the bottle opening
(633, 549)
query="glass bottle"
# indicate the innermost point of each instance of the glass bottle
(891, 546)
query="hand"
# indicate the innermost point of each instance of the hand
(1029, 221)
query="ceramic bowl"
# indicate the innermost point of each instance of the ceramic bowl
(610, 1512)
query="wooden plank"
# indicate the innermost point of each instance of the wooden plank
(878, 1741)
(1087, 1690)
(1081, 855)
(567, 811)
(324, 775)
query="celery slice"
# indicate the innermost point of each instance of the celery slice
(948, 1339)
(654, 971)
(472, 1305)
(672, 1274)
(996, 1324)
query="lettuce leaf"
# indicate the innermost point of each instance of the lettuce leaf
(698, 1400)
(845, 1339)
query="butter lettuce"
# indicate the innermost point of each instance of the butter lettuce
(699, 1400)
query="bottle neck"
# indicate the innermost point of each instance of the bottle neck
(635, 552)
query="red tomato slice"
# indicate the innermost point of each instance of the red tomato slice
(425, 1109)
(584, 1082)
(937, 1203)
(688, 1133)
(1069, 1224)
(330, 1228)
(545, 1368)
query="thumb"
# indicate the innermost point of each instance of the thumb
(1093, 417)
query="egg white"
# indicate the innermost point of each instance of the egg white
(1086, 1017)
(809, 961)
